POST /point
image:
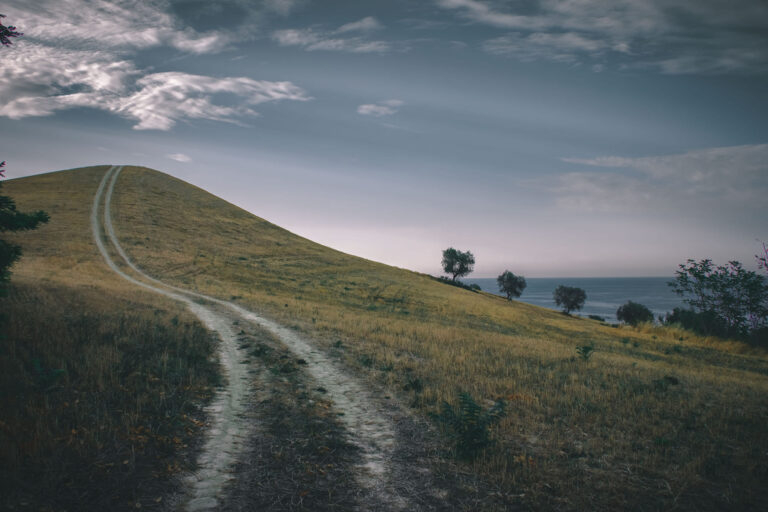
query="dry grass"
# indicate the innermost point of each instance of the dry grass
(102, 386)
(649, 422)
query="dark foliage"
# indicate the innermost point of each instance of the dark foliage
(6, 33)
(737, 297)
(634, 313)
(468, 425)
(457, 263)
(705, 323)
(13, 220)
(471, 287)
(569, 298)
(511, 285)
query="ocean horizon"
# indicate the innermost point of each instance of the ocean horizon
(604, 294)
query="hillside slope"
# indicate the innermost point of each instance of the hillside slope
(655, 417)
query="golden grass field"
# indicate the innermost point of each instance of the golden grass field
(657, 419)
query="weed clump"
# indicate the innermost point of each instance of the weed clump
(469, 425)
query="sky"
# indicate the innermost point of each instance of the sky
(569, 138)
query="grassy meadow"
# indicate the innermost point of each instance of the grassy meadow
(102, 385)
(656, 419)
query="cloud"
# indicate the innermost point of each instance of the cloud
(39, 80)
(669, 36)
(366, 24)
(78, 53)
(113, 25)
(564, 47)
(712, 179)
(179, 157)
(335, 40)
(382, 108)
(165, 98)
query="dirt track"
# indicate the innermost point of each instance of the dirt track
(387, 475)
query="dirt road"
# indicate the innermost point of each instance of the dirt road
(368, 425)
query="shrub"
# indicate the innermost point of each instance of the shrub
(585, 351)
(738, 297)
(468, 425)
(474, 287)
(705, 323)
(634, 313)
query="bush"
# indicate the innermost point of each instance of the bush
(468, 425)
(738, 297)
(634, 313)
(569, 298)
(705, 323)
(471, 287)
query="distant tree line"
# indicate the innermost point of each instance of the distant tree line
(726, 301)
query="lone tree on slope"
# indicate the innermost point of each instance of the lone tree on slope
(457, 263)
(570, 298)
(511, 285)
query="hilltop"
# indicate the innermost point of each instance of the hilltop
(656, 417)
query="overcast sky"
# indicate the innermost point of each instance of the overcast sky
(550, 138)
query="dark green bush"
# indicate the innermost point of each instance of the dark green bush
(634, 313)
(468, 425)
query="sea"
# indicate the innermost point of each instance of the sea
(604, 294)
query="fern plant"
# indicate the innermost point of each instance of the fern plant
(585, 351)
(468, 425)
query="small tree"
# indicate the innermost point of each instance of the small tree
(457, 263)
(737, 296)
(569, 298)
(13, 220)
(634, 313)
(511, 285)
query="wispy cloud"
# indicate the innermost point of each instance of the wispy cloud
(165, 98)
(669, 36)
(366, 24)
(564, 47)
(382, 108)
(78, 53)
(726, 178)
(179, 157)
(114, 25)
(312, 39)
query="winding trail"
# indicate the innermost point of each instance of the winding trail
(228, 431)
(369, 428)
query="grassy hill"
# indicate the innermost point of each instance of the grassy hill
(656, 419)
